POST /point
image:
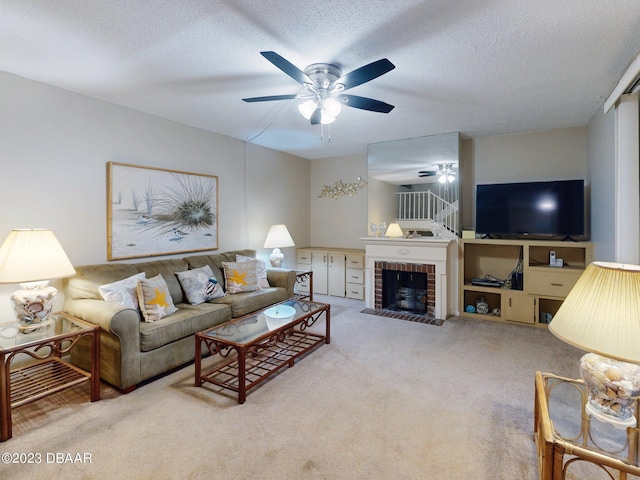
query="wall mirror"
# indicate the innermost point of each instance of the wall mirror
(415, 182)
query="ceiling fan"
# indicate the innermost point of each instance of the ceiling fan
(323, 86)
(445, 172)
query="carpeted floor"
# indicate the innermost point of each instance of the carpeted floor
(387, 399)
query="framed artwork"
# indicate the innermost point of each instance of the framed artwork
(154, 211)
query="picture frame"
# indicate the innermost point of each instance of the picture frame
(157, 211)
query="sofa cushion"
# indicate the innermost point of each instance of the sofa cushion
(200, 285)
(240, 277)
(155, 299)
(88, 278)
(188, 320)
(123, 292)
(244, 303)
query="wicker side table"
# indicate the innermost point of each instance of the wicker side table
(566, 436)
(46, 372)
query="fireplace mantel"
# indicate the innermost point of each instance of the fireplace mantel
(440, 252)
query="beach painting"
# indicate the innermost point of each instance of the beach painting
(154, 211)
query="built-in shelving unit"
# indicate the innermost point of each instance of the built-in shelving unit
(543, 287)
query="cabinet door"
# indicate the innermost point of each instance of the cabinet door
(320, 272)
(337, 274)
(519, 308)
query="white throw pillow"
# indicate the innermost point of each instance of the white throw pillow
(123, 292)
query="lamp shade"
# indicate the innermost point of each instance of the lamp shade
(278, 237)
(31, 255)
(394, 230)
(601, 314)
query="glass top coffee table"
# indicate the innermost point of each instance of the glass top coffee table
(264, 342)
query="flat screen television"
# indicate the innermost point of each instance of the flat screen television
(531, 208)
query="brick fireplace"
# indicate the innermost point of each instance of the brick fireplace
(424, 287)
(437, 258)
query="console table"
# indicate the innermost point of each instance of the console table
(568, 440)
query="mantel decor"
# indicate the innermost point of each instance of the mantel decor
(154, 211)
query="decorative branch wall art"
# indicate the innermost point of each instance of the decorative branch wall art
(154, 211)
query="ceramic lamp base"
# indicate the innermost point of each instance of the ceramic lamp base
(613, 387)
(32, 305)
(276, 258)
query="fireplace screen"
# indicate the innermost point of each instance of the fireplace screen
(404, 291)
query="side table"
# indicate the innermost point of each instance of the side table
(304, 284)
(566, 437)
(46, 372)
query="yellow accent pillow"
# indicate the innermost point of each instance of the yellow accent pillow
(240, 276)
(155, 299)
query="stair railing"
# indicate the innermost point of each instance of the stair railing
(426, 205)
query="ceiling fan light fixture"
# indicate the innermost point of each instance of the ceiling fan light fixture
(307, 108)
(323, 84)
(332, 107)
(326, 119)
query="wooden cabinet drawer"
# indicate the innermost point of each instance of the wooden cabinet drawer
(355, 276)
(355, 261)
(355, 291)
(303, 257)
(551, 282)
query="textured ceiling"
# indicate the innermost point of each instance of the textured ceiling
(480, 67)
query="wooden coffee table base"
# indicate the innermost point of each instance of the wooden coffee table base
(249, 364)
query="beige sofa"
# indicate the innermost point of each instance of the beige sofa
(132, 351)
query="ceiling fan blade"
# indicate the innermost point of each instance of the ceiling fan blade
(426, 174)
(286, 66)
(269, 98)
(316, 116)
(364, 103)
(364, 74)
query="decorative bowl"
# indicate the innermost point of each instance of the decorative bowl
(279, 315)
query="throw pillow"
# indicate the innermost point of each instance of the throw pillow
(240, 276)
(261, 269)
(123, 292)
(200, 285)
(155, 299)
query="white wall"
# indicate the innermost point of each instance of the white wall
(278, 192)
(601, 167)
(535, 156)
(340, 222)
(55, 147)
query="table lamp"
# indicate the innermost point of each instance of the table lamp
(601, 315)
(277, 238)
(394, 231)
(31, 257)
